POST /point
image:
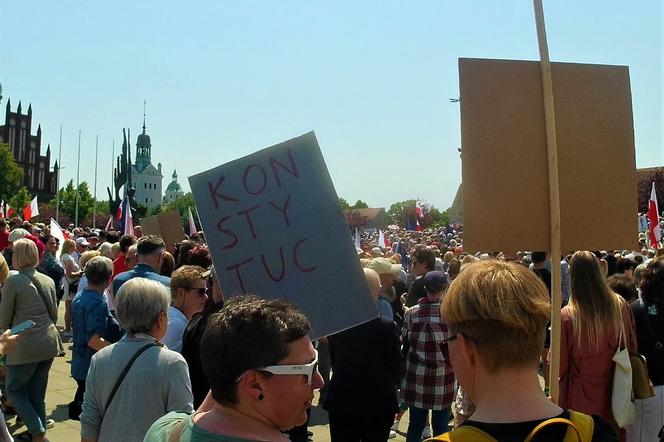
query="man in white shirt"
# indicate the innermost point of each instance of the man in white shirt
(188, 296)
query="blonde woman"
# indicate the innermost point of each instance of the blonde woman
(30, 295)
(591, 325)
(72, 277)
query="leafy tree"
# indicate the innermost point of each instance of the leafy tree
(344, 204)
(645, 187)
(11, 174)
(401, 211)
(436, 218)
(181, 205)
(19, 200)
(359, 204)
(67, 196)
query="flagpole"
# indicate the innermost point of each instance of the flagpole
(78, 176)
(94, 207)
(57, 181)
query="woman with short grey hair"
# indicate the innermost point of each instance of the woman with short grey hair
(138, 366)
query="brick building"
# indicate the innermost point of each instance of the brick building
(38, 177)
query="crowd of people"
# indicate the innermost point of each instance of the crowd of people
(461, 342)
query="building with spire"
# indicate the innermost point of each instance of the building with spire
(146, 178)
(16, 133)
(173, 190)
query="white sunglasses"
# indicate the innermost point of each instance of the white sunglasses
(302, 369)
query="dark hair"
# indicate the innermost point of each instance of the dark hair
(248, 333)
(623, 264)
(652, 281)
(168, 265)
(112, 237)
(125, 242)
(454, 268)
(426, 256)
(623, 285)
(199, 256)
(150, 244)
(538, 257)
(182, 252)
(3, 223)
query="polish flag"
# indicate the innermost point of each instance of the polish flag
(30, 210)
(192, 224)
(2, 208)
(418, 226)
(61, 235)
(653, 217)
(357, 240)
(418, 210)
(128, 222)
(109, 224)
(381, 239)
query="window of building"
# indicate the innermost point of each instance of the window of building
(145, 185)
(146, 200)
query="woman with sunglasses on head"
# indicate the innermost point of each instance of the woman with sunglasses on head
(262, 370)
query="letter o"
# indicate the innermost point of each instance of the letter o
(246, 176)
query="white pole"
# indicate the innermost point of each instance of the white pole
(57, 181)
(78, 175)
(94, 208)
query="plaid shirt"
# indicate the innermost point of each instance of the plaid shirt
(429, 380)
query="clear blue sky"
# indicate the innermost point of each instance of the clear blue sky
(372, 78)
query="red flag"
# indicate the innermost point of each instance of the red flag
(653, 217)
(418, 226)
(10, 210)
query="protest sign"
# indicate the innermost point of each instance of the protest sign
(275, 229)
(504, 156)
(168, 225)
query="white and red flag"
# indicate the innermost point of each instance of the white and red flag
(128, 223)
(109, 224)
(9, 210)
(61, 235)
(30, 210)
(653, 217)
(418, 209)
(418, 226)
(192, 224)
(381, 239)
(2, 208)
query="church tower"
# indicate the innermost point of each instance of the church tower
(146, 178)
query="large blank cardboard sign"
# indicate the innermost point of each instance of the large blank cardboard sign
(504, 156)
(168, 225)
(275, 229)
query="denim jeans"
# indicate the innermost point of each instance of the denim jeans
(439, 421)
(26, 388)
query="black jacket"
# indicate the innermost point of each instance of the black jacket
(367, 370)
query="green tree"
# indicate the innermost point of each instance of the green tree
(359, 204)
(181, 205)
(19, 200)
(11, 174)
(400, 211)
(67, 196)
(344, 204)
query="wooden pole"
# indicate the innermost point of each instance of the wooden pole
(554, 199)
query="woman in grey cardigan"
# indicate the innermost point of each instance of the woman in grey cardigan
(156, 383)
(30, 295)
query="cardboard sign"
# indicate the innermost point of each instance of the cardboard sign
(275, 229)
(168, 225)
(504, 158)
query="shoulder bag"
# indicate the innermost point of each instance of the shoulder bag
(622, 404)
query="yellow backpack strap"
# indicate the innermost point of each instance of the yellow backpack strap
(463, 434)
(584, 424)
(579, 427)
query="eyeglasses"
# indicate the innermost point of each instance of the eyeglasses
(309, 370)
(450, 339)
(202, 291)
